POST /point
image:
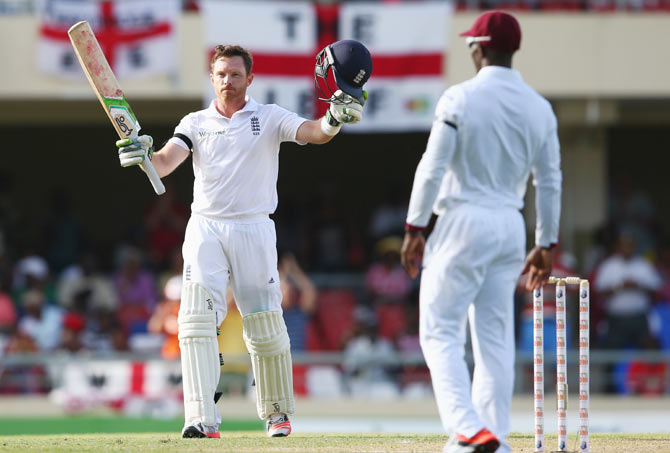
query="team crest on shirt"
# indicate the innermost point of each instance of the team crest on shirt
(255, 125)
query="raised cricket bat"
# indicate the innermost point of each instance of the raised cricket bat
(108, 90)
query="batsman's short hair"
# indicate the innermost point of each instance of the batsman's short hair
(223, 50)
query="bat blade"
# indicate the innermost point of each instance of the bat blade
(107, 89)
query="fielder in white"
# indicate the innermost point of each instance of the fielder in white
(230, 238)
(489, 135)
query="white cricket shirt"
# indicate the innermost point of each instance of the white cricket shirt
(236, 160)
(490, 133)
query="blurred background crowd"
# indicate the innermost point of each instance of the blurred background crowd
(344, 291)
(90, 258)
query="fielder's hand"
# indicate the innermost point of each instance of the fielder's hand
(134, 151)
(538, 266)
(350, 112)
(411, 252)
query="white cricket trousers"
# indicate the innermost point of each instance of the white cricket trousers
(471, 266)
(240, 251)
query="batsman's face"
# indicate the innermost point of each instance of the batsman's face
(230, 79)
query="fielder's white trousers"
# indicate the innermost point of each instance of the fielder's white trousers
(241, 252)
(472, 262)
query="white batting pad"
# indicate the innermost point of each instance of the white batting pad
(270, 349)
(199, 354)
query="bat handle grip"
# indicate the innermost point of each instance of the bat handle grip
(156, 182)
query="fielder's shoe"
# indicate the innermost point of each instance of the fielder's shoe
(278, 425)
(482, 442)
(198, 430)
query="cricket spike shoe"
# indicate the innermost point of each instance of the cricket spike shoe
(278, 425)
(199, 430)
(482, 442)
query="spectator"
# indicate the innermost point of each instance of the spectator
(362, 356)
(103, 333)
(8, 318)
(663, 268)
(386, 280)
(164, 319)
(626, 283)
(329, 237)
(634, 212)
(42, 322)
(659, 322)
(175, 269)
(599, 248)
(85, 278)
(73, 327)
(136, 291)
(30, 272)
(298, 300)
(389, 217)
(23, 378)
(8, 315)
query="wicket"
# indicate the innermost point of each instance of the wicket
(561, 363)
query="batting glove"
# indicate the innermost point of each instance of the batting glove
(134, 151)
(350, 112)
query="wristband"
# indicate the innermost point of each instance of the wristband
(329, 125)
(412, 228)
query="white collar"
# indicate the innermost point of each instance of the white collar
(250, 106)
(498, 71)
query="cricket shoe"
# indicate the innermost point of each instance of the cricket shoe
(278, 425)
(482, 442)
(198, 430)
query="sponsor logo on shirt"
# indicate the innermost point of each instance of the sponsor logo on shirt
(212, 133)
(255, 125)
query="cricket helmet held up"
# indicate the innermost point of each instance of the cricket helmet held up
(351, 65)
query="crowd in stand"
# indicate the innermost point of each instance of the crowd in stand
(542, 5)
(85, 306)
(566, 5)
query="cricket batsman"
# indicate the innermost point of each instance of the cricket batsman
(230, 238)
(489, 135)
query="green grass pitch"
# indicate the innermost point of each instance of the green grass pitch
(116, 434)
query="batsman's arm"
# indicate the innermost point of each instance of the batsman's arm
(311, 132)
(324, 129)
(168, 158)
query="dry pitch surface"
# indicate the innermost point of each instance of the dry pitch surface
(257, 442)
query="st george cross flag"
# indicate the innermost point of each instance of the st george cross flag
(408, 42)
(282, 38)
(138, 37)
